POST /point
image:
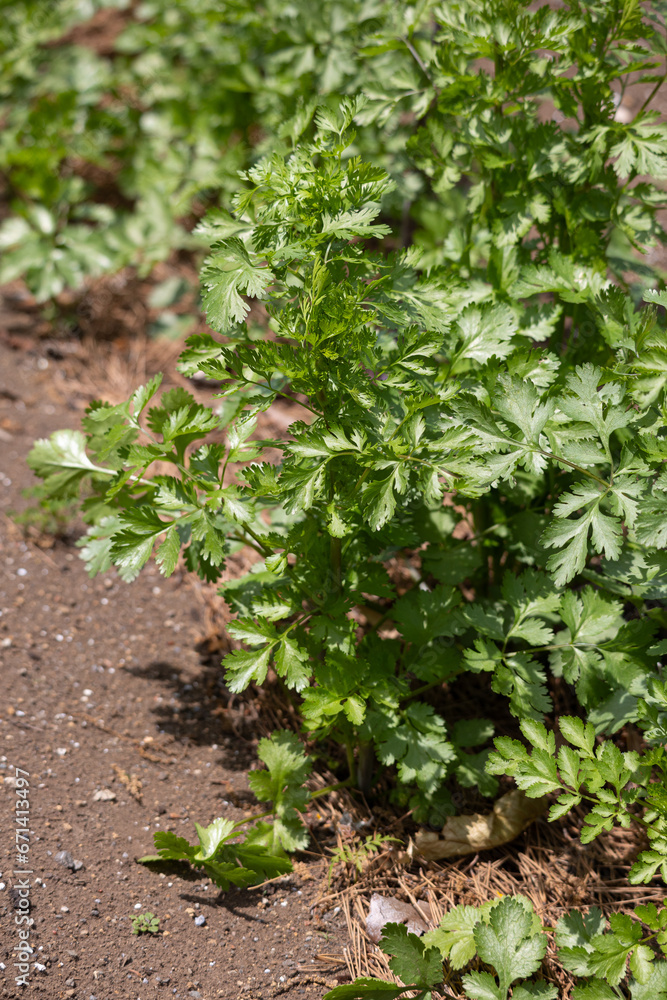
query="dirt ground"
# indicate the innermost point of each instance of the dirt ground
(102, 683)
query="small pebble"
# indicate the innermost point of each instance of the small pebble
(104, 795)
(65, 859)
(200, 920)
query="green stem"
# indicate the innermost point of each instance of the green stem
(349, 750)
(571, 465)
(365, 762)
(267, 550)
(652, 94)
(336, 563)
(422, 690)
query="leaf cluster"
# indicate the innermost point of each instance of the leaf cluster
(261, 854)
(145, 923)
(506, 936)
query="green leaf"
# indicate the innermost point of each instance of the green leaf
(509, 944)
(231, 269)
(365, 989)
(282, 783)
(540, 989)
(169, 846)
(167, 554)
(482, 986)
(412, 961)
(454, 937)
(646, 866)
(655, 987)
(595, 990)
(641, 963)
(292, 663)
(243, 666)
(211, 837)
(62, 461)
(581, 735)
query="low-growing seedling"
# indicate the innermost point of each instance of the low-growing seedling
(45, 515)
(261, 854)
(145, 923)
(223, 858)
(356, 856)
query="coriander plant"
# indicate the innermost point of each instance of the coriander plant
(475, 480)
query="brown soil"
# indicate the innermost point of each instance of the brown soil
(103, 685)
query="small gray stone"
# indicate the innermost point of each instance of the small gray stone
(65, 859)
(200, 920)
(78, 865)
(70, 982)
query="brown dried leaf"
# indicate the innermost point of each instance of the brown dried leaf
(461, 835)
(389, 910)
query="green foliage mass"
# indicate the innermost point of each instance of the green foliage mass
(110, 144)
(475, 483)
(507, 936)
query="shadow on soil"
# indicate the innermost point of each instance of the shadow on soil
(201, 710)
